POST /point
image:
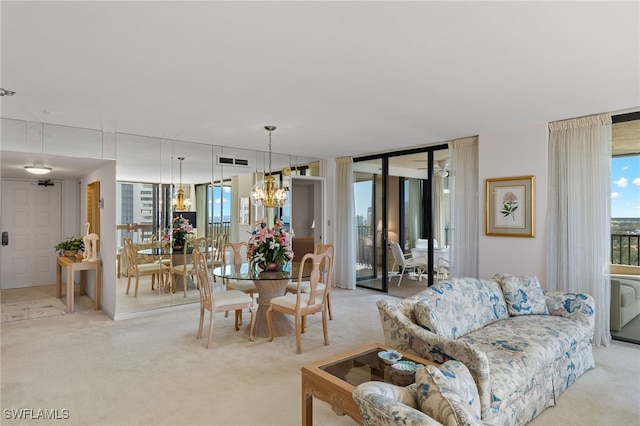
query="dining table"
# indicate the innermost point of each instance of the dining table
(269, 284)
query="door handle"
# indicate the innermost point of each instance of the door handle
(5, 238)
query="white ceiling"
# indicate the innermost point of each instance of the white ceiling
(336, 78)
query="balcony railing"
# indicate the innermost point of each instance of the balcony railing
(624, 249)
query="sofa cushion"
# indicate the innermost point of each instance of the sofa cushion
(519, 348)
(523, 295)
(455, 307)
(448, 393)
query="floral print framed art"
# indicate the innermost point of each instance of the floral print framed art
(510, 206)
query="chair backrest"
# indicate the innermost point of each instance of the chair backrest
(130, 256)
(327, 271)
(221, 240)
(202, 276)
(238, 252)
(202, 245)
(314, 298)
(398, 255)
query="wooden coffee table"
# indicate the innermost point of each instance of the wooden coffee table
(333, 379)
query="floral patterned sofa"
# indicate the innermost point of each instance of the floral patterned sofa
(523, 347)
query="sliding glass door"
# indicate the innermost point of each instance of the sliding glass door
(401, 197)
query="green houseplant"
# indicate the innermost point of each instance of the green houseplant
(70, 246)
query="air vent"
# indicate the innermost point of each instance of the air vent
(232, 161)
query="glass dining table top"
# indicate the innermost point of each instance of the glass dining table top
(244, 271)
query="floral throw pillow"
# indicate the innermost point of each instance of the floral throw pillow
(448, 394)
(523, 295)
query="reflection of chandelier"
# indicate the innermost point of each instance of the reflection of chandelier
(268, 192)
(180, 203)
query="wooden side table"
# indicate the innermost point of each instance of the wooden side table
(333, 379)
(72, 266)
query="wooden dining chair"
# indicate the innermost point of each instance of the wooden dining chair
(136, 270)
(183, 267)
(292, 287)
(217, 252)
(300, 304)
(236, 254)
(223, 301)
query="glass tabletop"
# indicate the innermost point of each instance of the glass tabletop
(365, 367)
(243, 271)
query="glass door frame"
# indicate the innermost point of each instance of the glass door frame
(427, 217)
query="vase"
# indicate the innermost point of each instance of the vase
(71, 254)
(270, 267)
(177, 248)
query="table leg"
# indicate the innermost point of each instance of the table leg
(98, 287)
(70, 288)
(282, 323)
(307, 405)
(58, 281)
(83, 282)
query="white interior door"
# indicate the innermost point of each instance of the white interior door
(31, 217)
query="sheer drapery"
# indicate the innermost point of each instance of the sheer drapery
(579, 213)
(463, 183)
(201, 207)
(439, 210)
(344, 267)
(413, 215)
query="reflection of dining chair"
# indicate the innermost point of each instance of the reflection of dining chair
(136, 270)
(217, 251)
(442, 269)
(224, 301)
(405, 262)
(183, 268)
(238, 255)
(292, 287)
(302, 304)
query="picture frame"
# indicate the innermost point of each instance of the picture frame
(244, 211)
(510, 206)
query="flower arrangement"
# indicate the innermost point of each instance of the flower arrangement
(269, 246)
(509, 205)
(182, 229)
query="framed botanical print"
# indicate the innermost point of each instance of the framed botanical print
(510, 206)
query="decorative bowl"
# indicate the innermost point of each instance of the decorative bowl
(390, 356)
(406, 367)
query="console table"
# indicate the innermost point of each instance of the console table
(72, 266)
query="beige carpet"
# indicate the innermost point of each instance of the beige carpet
(31, 309)
(152, 371)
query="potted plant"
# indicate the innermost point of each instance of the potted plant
(70, 246)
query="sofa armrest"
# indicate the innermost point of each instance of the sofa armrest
(578, 306)
(403, 334)
(389, 405)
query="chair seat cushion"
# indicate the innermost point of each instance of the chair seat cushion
(231, 297)
(150, 267)
(305, 287)
(181, 269)
(246, 286)
(288, 301)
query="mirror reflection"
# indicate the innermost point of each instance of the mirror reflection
(173, 196)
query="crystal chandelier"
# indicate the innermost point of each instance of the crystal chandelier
(268, 192)
(181, 203)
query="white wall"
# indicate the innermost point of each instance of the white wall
(506, 153)
(106, 175)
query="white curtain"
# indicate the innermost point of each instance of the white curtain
(579, 213)
(414, 209)
(439, 210)
(463, 183)
(344, 268)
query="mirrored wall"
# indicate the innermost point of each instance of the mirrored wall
(166, 188)
(156, 180)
